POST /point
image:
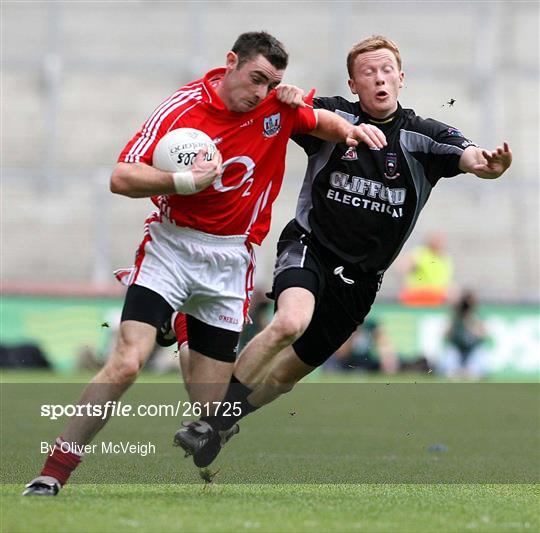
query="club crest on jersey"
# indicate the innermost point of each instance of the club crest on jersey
(391, 166)
(350, 154)
(272, 125)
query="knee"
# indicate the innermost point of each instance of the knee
(123, 371)
(287, 328)
(124, 365)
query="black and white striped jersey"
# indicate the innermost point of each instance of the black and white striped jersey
(362, 204)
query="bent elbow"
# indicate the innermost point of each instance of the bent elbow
(117, 184)
(114, 185)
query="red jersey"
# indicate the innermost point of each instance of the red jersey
(253, 147)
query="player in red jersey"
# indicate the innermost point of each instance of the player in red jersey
(196, 252)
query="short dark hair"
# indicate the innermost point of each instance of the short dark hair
(251, 44)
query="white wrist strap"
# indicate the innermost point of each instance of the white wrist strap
(184, 182)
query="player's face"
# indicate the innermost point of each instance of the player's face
(376, 79)
(244, 88)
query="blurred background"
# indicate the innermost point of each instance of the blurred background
(79, 79)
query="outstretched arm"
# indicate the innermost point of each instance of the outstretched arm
(484, 163)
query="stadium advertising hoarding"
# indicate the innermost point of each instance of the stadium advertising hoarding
(66, 327)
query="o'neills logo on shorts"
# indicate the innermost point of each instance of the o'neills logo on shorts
(228, 319)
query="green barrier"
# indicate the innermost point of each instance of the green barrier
(62, 327)
(513, 331)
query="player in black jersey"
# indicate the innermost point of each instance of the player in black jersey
(356, 209)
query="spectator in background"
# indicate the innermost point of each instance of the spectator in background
(368, 349)
(464, 353)
(428, 272)
(24, 355)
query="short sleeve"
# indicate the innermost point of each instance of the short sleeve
(140, 148)
(305, 120)
(447, 164)
(437, 146)
(309, 143)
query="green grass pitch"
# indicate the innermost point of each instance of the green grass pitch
(272, 476)
(275, 508)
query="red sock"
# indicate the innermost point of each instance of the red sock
(180, 329)
(61, 461)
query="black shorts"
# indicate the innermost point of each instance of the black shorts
(145, 305)
(343, 296)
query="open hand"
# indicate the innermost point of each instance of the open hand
(496, 162)
(366, 133)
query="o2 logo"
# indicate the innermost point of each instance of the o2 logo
(246, 177)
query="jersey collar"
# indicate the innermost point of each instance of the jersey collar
(211, 80)
(384, 122)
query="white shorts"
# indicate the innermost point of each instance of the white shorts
(206, 276)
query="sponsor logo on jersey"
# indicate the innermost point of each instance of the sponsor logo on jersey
(247, 123)
(370, 188)
(391, 166)
(272, 125)
(367, 194)
(350, 154)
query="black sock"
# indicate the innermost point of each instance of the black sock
(233, 408)
(237, 412)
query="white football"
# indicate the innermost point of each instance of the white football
(177, 149)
